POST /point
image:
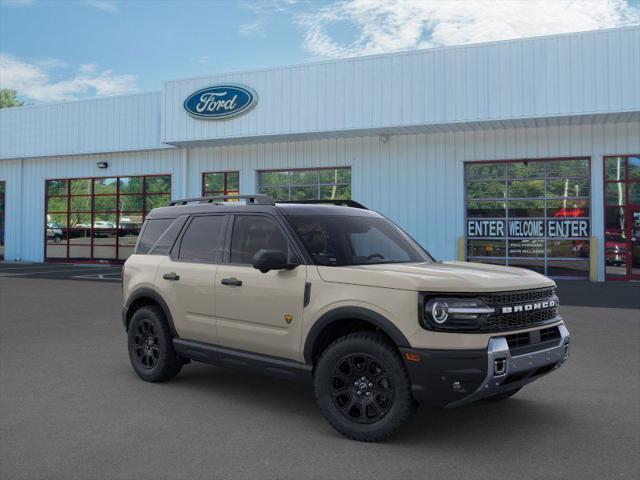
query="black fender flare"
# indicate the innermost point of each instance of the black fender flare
(352, 313)
(156, 297)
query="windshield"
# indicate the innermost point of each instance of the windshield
(342, 241)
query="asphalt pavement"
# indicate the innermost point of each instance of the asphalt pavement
(72, 408)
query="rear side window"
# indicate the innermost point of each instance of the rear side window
(253, 233)
(204, 239)
(167, 239)
(151, 233)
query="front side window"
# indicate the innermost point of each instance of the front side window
(204, 239)
(313, 184)
(344, 241)
(252, 233)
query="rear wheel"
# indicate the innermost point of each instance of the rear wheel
(363, 388)
(150, 344)
(503, 395)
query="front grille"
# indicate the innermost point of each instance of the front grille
(515, 320)
(525, 342)
(514, 298)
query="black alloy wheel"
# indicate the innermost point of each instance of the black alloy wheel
(146, 344)
(362, 386)
(361, 389)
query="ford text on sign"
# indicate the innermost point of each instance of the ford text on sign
(220, 101)
(534, 228)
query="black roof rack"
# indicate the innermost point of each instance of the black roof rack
(343, 203)
(249, 200)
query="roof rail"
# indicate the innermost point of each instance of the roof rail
(342, 203)
(249, 200)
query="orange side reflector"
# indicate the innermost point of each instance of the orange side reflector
(412, 356)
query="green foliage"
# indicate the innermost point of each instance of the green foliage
(8, 98)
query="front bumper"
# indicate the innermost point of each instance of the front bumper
(450, 378)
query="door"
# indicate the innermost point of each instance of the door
(187, 278)
(634, 242)
(259, 312)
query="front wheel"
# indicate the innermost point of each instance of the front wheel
(363, 388)
(150, 344)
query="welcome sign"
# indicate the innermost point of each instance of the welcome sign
(220, 101)
(528, 228)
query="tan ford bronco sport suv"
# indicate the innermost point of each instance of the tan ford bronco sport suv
(336, 295)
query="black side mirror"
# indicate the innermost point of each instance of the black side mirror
(265, 260)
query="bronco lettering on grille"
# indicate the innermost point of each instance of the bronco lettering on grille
(529, 307)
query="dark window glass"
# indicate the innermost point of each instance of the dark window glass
(485, 171)
(526, 208)
(221, 183)
(163, 245)
(615, 168)
(342, 240)
(489, 189)
(103, 186)
(614, 219)
(158, 184)
(151, 232)
(526, 188)
(81, 186)
(568, 168)
(253, 233)
(2, 214)
(525, 169)
(633, 168)
(568, 188)
(485, 209)
(486, 248)
(204, 239)
(568, 248)
(634, 193)
(131, 185)
(614, 193)
(526, 248)
(567, 208)
(568, 268)
(57, 204)
(56, 187)
(311, 184)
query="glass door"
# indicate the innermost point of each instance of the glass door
(634, 240)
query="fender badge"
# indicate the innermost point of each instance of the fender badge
(288, 318)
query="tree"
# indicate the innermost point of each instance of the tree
(8, 98)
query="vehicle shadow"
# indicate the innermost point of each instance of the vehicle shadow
(467, 426)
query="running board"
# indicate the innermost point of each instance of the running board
(238, 359)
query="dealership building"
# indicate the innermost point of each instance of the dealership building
(522, 152)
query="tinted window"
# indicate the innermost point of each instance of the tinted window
(163, 245)
(253, 233)
(342, 241)
(152, 232)
(204, 239)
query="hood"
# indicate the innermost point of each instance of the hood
(458, 277)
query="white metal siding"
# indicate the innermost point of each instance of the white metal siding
(547, 77)
(90, 126)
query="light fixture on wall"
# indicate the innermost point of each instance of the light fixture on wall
(102, 164)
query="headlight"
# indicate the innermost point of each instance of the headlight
(455, 313)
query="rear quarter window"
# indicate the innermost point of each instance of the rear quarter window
(151, 232)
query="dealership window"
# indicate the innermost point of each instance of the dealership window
(311, 184)
(99, 218)
(220, 183)
(532, 213)
(2, 210)
(622, 217)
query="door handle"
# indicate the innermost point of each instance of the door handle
(232, 282)
(171, 276)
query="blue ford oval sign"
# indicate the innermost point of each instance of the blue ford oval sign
(220, 101)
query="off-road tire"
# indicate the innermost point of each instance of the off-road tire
(352, 357)
(503, 395)
(150, 344)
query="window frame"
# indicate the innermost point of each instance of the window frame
(91, 212)
(214, 193)
(289, 185)
(507, 260)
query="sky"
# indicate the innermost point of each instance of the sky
(59, 50)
